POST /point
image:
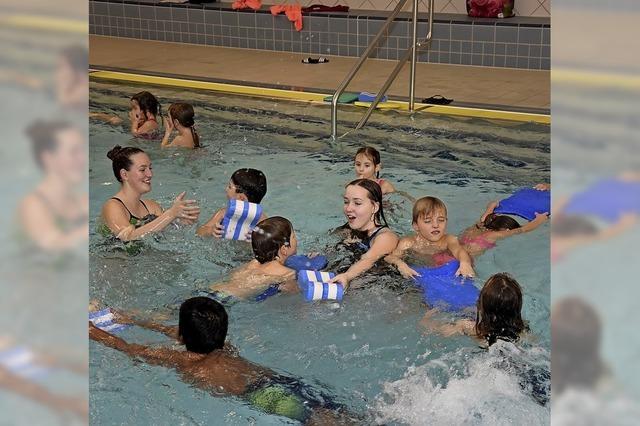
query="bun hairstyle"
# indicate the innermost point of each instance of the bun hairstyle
(184, 113)
(121, 158)
(43, 137)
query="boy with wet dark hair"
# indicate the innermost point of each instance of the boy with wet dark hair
(211, 364)
(245, 185)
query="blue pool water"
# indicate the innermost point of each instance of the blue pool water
(367, 351)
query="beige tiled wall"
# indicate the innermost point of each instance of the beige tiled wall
(541, 8)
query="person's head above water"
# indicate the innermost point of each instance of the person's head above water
(59, 149)
(247, 185)
(202, 325)
(145, 105)
(363, 205)
(273, 239)
(500, 222)
(367, 163)
(132, 167)
(429, 218)
(183, 114)
(499, 309)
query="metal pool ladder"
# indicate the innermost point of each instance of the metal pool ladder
(411, 51)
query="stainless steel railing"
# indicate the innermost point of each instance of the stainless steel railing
(410, 52)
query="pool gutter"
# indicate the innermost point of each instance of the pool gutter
(312, 96)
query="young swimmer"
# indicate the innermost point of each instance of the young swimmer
(180, 118)
(213, 365)
(498, 314)
(431, 240)
(143, 114)
(125, 214)
(483, 235)
(245, 185)
(272, 241)
(368, 165)
(363, 209)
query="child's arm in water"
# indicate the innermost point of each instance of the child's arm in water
(213, 227)
(382, 245)
(490, 208)
(395, 258)
(170, 331)
(107, 118)
(430, 324)
(466, 268)
(527, 227)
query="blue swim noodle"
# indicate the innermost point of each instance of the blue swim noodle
(442, 289)
(526, 202)
(300, 262)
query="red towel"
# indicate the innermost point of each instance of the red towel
(245, 4)
(293, 12)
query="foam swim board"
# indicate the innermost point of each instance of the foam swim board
(442, 289)
(370, 97)
(299, 262)
(104, 320)
(525, 202)
(608, 199)
(240, 219)
(20, 361)
(314, 286)
(345, 98)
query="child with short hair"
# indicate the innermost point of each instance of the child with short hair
(431, 239)
(212, 364)
(272, 241)
(180, 118)
(245, 185)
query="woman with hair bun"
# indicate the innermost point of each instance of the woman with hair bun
(129, 217)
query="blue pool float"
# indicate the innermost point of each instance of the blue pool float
(608, 199)
(369, 97)
(299, 262)
(314, 286)
(526, 202)
(103, 319)
(442, 289)
(239, 219)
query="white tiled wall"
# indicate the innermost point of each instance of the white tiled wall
(541, 8)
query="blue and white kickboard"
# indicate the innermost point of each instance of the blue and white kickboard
(442, 289)
(300, 262)
(314, 286)
(19, 360)
(526, 202)
(104, 321)
(240, 219)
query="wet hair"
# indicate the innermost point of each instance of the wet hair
(500, 222)
(374, 193)
(184, 113)
(499, 309)
(202, 325)
(250, 182)
(148, 103)
(371, 153)
(572, 225)
(269, 236)
(43, 135)
(426, 206)
(575, 339)
(77, 57)
(121, 158)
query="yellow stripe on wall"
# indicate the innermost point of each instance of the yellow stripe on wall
(46, 23)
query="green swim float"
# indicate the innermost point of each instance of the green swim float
(276, 400)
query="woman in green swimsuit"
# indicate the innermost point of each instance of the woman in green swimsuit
(126, 215)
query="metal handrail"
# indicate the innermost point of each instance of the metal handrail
(410, 51)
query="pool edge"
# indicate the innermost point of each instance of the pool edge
(310, 96)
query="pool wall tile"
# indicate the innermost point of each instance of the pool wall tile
(521, 42)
